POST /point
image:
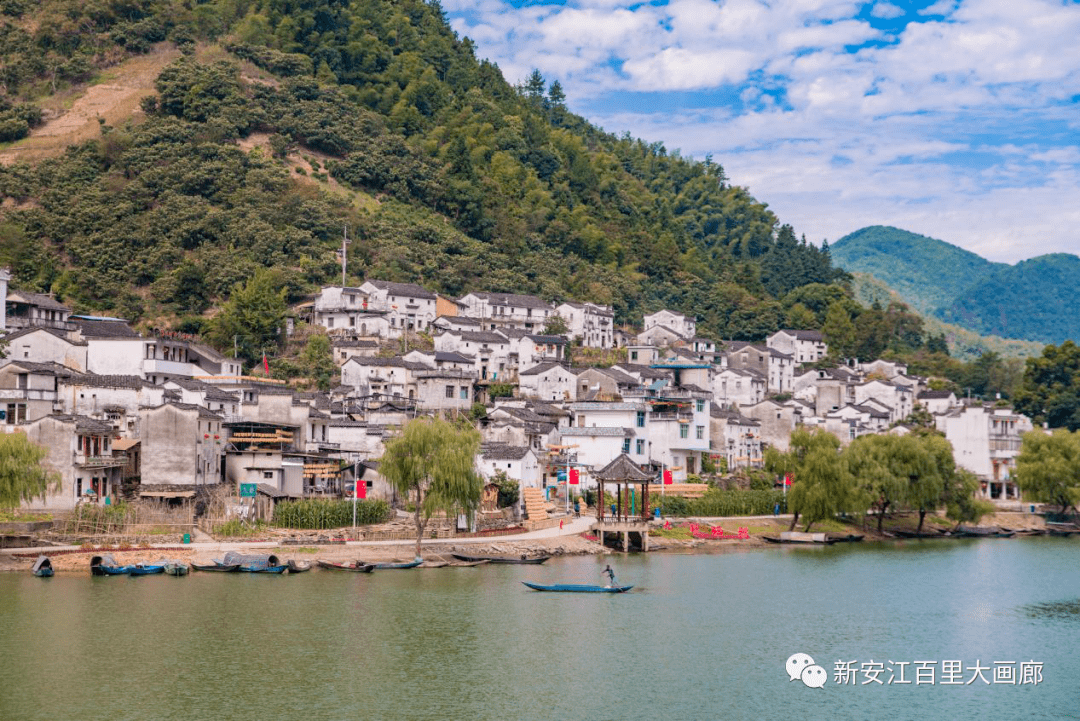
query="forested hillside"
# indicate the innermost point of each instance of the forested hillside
(1032, 300)
(462, 181)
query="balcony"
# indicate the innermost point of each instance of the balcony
(18, 322)
(114, 460)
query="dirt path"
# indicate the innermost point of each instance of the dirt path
(114, 98)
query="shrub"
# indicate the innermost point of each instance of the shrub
(717, 502)
(319, 513)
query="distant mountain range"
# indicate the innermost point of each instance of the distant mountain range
(1035, 300)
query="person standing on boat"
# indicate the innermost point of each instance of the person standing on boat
(610, 574)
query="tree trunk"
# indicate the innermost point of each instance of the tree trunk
(808, 524)
(922, 515)
(881, 517)
(421, 523)
(794, 521)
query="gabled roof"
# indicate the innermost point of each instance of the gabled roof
(395, 362)
(48, 368)
(809, 335)
(552, 339)
(929, 395)
(734, 346)
(210, 392)
(62, 335)
(671, 312)
(622, 469)
(544, 368)
(406, 289)
(203, 412)
(509, 299)
(99, 381)
(479, 336)
(607, 406)
(36, 299)
(104, 328)
(644, 371)
(503, 452)
(83, 423)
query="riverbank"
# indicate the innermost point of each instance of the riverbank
(676, 534)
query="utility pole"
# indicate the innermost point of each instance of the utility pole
(344, 253)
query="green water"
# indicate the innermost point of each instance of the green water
(700, 637)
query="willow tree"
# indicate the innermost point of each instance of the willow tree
(433, 464)
(871, 461)
(22, 475)
(821, 484)
(1048, 467)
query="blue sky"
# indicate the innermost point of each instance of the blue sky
(954, 119)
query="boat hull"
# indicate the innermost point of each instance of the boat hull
(502, 559)
(577, 588)
(145, 570)
(355, 568)
(216, 568)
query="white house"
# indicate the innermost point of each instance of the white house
(986, 441)
(937, 402)
(490, 349)
(590, 324)
(525, 312)
(899, 398)
(734, 387)
(519, 463)
(684, 325)
(408, 306)
(180, 444)
(342, 308)
(47, 345)
(735, 438)
(547, 382)
(445, 389)
(805, 346)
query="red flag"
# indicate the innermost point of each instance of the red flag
(667, 478)
(575, 477)
(266, 366)
(361, 489)
(787, 480)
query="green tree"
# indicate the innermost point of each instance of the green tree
(1050, 392)
(961, 505)
(1048, 467)
(253, 316)
(556, 325)
(930, 467)
(821, 485)
(432, 463)
(317, 361)
(874, 463)
(22, 475)
(839, 331)
(509, 490)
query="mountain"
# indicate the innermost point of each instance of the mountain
(1033, 300)
(253, 132)
(964, 344)
(928, 273)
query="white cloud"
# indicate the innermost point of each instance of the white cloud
(938, 129)
(887, 11)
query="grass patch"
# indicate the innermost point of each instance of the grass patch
(298, 549)
(16, 516)
(236, 528)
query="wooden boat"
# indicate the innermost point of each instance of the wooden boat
(924, 534)
(356, 566)
(502, 559)
(42, 567)
(216, 567)
(146, 569)
(801, 538)
(844, 537)
(394, 566)
(435, 564)
(298, 566)
(175, 568)
(106, 565)
(577, 588)
(257, 568)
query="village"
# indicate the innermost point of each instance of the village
(127, 416)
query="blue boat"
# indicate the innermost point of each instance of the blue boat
(577, 588)
(254, 562)
(145, 569)
(265, 569)
(106, 566)
(42, 567)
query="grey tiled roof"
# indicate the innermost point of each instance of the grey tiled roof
(103, 328)
(503, 452)
(596, 431)
(510, 299)
(62, 335)
(100, 381)
(406, 289)
(810, 335)
(37, 299)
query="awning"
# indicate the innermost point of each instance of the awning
(125, 444)
(166, 494)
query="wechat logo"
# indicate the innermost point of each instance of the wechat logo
(800, 666)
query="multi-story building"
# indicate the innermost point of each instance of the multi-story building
(524, 312)
(804, 346)
(590, 324)
(684, 325)
(986, 441)
(409, 307)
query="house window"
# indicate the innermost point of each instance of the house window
(684, 430)
(633, 355)
(16, 413)
(641, 419)
(700, 406)
(330, 322)
(268, 474)
(626, 445)
(449, 391)
(701, 433)
(464, 393)
(640, 446)
(24, 379)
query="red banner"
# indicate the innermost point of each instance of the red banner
(266, 365)
(361, 489)
(787, 480)
(668, 478)
(575, 476)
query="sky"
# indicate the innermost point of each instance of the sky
(956, 119)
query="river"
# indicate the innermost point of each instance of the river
(702, 636)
